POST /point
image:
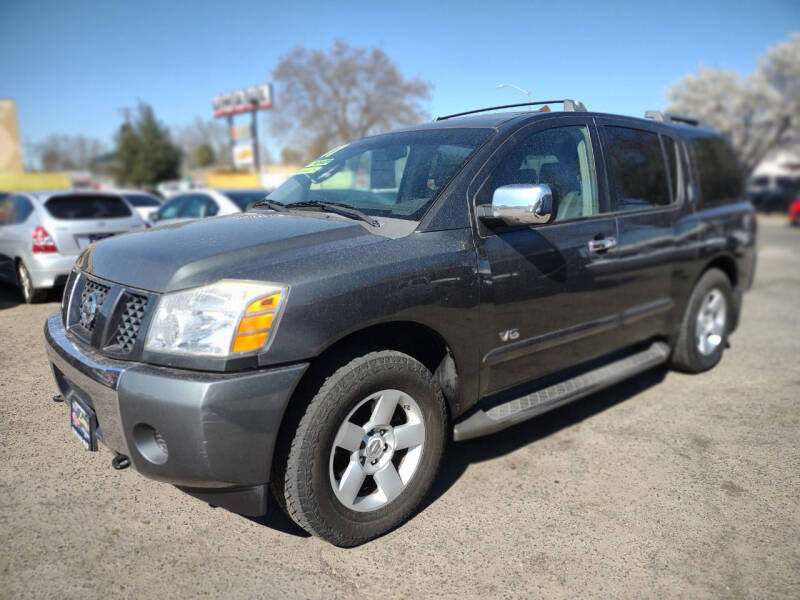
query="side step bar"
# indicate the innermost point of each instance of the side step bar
(534, 404)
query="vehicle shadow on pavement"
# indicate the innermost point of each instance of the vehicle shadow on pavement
(9, 296)
(279, 521)
(461, 454)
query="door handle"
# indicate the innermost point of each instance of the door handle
(602, 245)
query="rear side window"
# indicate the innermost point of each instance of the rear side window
(198, 206)
(171, 209)
(719, 173)
(14, 210)
(73, 207)
(638, 172)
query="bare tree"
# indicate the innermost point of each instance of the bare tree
(328, 98)
(757, 113)
(59, 152)
(200, 136)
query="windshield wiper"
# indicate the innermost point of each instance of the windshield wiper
(273, 204)
(335, 207)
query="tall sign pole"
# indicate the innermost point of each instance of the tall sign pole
(232, 141)
(254, 125)
(252, 100)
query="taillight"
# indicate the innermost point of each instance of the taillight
(42, 242)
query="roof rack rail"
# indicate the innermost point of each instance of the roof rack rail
(569, 106)
(656, 115)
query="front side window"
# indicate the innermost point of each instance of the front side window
(638, 173)
(396, 175)
(7, 211)
(23, 209)
(560, 158)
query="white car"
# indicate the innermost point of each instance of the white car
(42, 234)
(198, 204)
(143, 203)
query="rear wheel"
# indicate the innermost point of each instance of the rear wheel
(705, 325)
(367, 449)
(29, 293)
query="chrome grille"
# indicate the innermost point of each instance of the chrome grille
(100, 291)
(130, 320)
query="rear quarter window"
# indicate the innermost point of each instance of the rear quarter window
(74, 207)
(719, 174)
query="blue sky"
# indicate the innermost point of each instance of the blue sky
(72, 66)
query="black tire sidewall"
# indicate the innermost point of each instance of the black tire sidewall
(29, 292)
(713, 279)
(408, 377)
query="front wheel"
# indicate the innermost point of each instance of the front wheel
(367, 449)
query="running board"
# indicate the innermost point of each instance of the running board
(534, 404)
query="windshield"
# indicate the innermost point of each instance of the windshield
(395, 175)
(245, 199)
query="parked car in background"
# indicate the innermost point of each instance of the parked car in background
(773, 193)
(198, 204)
(143, 203)
(794, 212)
(42, 234)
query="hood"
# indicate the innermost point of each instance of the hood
(193, 253)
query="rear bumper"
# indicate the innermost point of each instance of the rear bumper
(217, 431)
(49, 270)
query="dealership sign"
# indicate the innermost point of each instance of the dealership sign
(243, 155)
(250, 99)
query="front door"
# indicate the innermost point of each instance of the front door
(549, 292)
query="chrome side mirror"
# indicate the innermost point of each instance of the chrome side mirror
(521, 204)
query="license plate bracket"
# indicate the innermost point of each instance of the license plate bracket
(84, 423)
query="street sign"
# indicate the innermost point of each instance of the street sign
(242, 132)
(250, 99)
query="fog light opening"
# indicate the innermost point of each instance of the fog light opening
(150, 443)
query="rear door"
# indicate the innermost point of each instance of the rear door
(548, 298)
(645, 174)
(76, 220)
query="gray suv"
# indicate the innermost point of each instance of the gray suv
(42, 234)
(437, 283)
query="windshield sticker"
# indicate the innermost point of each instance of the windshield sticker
(316, 165)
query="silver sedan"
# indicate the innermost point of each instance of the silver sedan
(42, 234)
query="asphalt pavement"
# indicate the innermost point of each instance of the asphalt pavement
(668, 485)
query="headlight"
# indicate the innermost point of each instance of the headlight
(226, 318)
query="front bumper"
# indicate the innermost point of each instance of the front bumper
(217, 431)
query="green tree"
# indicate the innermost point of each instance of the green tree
(203, 155)
(145, 154)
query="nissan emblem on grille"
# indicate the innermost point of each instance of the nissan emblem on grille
(89, 310)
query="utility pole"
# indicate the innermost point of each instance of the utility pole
(516, 87)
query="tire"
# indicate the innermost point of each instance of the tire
(30, 294)
(322, 487)
(706, 323)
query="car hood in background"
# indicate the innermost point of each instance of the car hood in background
(193, 253)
